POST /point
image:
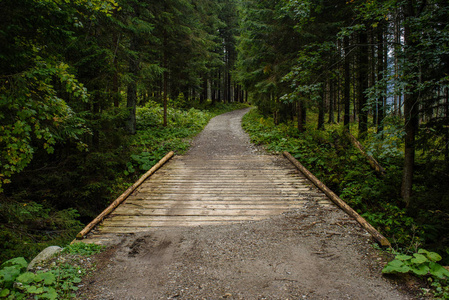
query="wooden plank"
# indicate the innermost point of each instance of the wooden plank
(145, 220)
(212, 191)
(155, 225)
(221, 205)
(340, 203)
(214, 197)
(187, 211)
(122, 197)
(238, 181)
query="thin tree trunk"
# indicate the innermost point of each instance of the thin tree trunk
(411, 119)
(363, 83)
(131, 100)
(380, 69)
(347, 87)
(115, 83)
(331, 101)
(321, 109)
(165, 79)
(301, 111)
(446, 112)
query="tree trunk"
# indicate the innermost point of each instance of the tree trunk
(380, 69)
(410, 115)
(165, 79)
(347, 87)
(203, 94)
(331, 84)
(132, 88)
(301, 116)
(115, 83)
(363, 83)
(321, 110)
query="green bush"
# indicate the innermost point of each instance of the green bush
(422, 263)
(59, 282)
(17, 283)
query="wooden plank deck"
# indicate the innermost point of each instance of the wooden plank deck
(190, 191)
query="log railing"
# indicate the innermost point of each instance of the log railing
(383, 241)
(122, 197)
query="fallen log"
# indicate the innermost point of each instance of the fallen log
(383, 241)
(371, 160)
(123, 196)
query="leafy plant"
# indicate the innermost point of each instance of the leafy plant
(422, 263)
(16, 283)
(60, 282)
(83, 249)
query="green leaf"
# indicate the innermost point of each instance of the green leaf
(50, 294)
(18, 261)
(4, 293)
(403, 257)
(396, 266)
(48, 277)
(27, 277)
(421, 269)
(434, 256)
(33, 289)
(419, 259)
(9, 274)
(438, 271)
(76, 280)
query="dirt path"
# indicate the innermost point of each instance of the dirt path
(314, 252)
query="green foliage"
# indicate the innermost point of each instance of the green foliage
(83, 249)
(422, 263)
(33, 116)
(387, 144)
(27, 228)
(58, 283)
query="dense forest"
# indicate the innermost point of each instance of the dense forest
(93, 92)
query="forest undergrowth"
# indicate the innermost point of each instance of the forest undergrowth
(49, 203)
(330, 156)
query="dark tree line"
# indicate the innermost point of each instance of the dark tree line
(73, 72)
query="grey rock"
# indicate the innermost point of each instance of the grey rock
(43, 256)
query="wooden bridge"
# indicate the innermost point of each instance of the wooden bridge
(221, 180)
(195, 191)
(218, 190)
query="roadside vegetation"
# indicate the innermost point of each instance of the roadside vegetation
(57, 278)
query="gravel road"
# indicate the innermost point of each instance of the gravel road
(310, 253)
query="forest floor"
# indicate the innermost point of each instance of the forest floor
(310, 253)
